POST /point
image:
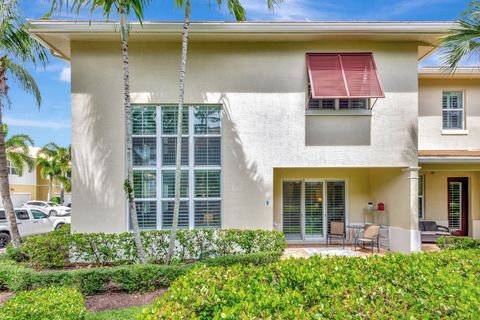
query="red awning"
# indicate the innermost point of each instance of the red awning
(343, 75)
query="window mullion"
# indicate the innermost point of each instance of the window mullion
(159, 167)
(191, 182)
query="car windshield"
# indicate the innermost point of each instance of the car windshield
(53, 204)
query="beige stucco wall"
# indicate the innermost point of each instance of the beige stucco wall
(430, 114)
(436, 193)
(262, 88)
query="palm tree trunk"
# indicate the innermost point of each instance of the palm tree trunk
(128, 131)
(178, 159)
(62, 194)
(50, 187)
(4, 184)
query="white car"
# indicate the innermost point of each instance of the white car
(52, 208)
(29, 221)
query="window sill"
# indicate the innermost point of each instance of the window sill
(454, 132)
(338, 112)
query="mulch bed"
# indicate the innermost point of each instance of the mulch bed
(121, 300)
(5, 296)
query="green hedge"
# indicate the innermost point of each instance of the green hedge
(45, 304)
(128, 278)
(441, 285)
(457, 243)
(59, 248)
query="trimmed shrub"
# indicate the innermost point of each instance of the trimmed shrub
(128, 278)
(60, 247)
(45, 304)
(57, 200)
(441, 285)
(457, 243)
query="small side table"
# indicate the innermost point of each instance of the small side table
(355, 231)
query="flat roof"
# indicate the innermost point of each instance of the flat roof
(57, 34)
(464, 72)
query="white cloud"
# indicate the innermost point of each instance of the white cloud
(17, 122)
(291, 10)
(65, 74)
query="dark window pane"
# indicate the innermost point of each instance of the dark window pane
(145, 183)
(22, 215)
(167, 214)
(207, 214)
(169, 120)
(169, 147)
(207, 183)
(144, 120)
(168, 184)
(208, 151)
(144, 151)
(146, 214)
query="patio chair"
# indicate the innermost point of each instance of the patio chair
(430, 231)
(337, 231)
(371, 236)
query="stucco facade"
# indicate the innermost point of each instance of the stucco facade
(261, 83)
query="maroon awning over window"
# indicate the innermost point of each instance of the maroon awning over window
(343, 75)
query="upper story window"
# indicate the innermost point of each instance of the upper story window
(342, 81)
(10, 168)
(453, 111)
(338, 104)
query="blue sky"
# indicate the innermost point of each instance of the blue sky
(52, 122)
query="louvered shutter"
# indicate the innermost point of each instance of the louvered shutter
(292, 203)
(335, 202)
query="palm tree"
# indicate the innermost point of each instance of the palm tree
(463, 41)
(49, 169)
(123, 8)
(18, 151)
(58, 168)
(236, 9)
(15, 45)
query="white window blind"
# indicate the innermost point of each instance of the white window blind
(208, 151)
(167, 214)
(147, 214)
(314, 209)
(145, 184)
(335, 202)
(169, 147)
(169, 120)
(207, 183)
(455, 205)
(207, 213)
(292, 209)
(453, 110)
(207, 120)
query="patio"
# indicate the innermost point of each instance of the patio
(306, 251)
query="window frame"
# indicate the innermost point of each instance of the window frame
(190, 168)
(10, 169)
(336, 104)
(421, 197)
(462, 130)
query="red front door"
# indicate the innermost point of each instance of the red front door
(458, 206)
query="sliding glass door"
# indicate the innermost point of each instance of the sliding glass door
(309, 207)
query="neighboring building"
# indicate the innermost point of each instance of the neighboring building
(289, 125)
(29, 186)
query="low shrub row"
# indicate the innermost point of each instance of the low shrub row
(457, 243)
(60, 248)
(441, 285)
(128, 278)
(45, 304)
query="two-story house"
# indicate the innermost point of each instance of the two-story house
(289, 126)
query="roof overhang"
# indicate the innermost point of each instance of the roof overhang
(57, 34)
(471, 72)
(448, 156)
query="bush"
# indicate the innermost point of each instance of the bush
(128, 278)
(457, 243)
(57, 200)
(441, 285)
(59, 248)
(45, 304)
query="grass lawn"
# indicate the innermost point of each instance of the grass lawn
(120, 314)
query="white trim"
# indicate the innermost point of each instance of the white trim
(454, 132)
(450, 160)
(342, 112)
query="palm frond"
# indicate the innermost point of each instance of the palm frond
(463, 42)
(16, 162)
(24, 79)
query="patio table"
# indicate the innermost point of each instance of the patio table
(355, 231)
